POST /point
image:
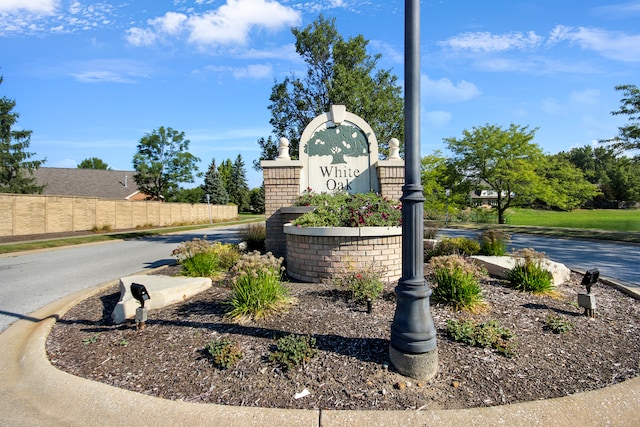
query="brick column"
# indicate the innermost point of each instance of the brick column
(281, 189)
(391, 178)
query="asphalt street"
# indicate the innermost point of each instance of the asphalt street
(29, 281)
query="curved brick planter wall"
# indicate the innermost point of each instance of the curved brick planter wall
(317, 253)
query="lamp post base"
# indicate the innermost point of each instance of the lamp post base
(421, 366)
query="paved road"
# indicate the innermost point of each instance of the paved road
(31, 281)
(615, 260)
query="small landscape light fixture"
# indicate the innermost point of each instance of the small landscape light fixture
(139, 292)
(588, 300)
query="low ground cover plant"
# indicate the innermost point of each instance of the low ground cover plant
(293, 350)
(257, 287)
(484, 334)
(224, 353)
(557, 324)
(349, 210)
(456, 283)
(529, 273)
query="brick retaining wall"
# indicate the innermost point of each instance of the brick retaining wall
(314, 258)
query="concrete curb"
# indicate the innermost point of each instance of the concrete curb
(33, 392)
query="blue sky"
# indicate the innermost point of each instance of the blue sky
(90, 78)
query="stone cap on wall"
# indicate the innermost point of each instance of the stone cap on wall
(342, 231)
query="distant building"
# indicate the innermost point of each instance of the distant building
(103, 184)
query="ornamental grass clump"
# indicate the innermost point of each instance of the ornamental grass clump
(201, 258)
(494, 242)
(349, 210)
(257, 287)
(463, 246)
(529, 273)
(254, 235)
(457, 283)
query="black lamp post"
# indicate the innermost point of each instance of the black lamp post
(413, 351)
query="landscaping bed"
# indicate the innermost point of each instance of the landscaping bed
(351, 370)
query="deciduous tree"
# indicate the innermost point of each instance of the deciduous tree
(163, 162)
(339, 72)
(503, 160)
(629, 136)
(16, 170)
(93, 163)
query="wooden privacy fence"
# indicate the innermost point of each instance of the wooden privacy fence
(24, 214)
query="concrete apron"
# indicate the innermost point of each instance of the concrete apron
(33, 392)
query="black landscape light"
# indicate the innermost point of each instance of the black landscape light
(590, 277)
(139, 292)
(588, 300)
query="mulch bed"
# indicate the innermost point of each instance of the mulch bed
(351, 371)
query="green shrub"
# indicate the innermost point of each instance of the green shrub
(349, 210)
(557, 324)
(257, 289)
(363, 283)
(494, 242)
(292, 350)
(456, 283)
(199, 265)
(454, 246)
(485, 335)
(224, 353)
(254, 235)
(529, 275)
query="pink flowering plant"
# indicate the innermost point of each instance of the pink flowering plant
(349, 210)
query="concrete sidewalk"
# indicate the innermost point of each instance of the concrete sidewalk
(33, 392)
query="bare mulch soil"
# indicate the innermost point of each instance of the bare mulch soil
(351, 371)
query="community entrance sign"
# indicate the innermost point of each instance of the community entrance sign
(339, 152)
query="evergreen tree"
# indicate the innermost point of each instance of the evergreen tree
(16, 171)
(238, 188)
(256, 200)
(214, 187)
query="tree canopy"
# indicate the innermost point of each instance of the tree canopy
(16, 170)
(163, 162)
(339, 72)
(629, 136)
(93, 163)
(503, 160)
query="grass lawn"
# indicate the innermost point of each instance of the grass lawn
(597, 219)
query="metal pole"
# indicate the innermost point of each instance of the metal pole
(413, 350)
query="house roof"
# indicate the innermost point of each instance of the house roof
(104, 184)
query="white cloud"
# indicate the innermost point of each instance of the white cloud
(232, 22)
(107, 71)
(610, 44)
(438, 119)
(585, 97)
(33, 6)
(140, 36)
(254, 71)
(487, 42)
(444, 90)
(171, 23)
